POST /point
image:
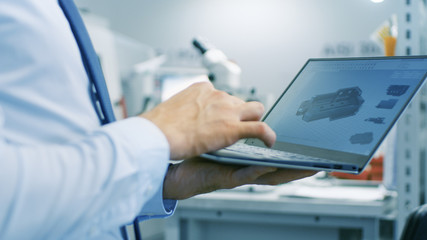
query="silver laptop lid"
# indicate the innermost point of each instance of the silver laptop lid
(342, 109)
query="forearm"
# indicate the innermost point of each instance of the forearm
(197, 175)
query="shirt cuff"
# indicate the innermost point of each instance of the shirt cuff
(146, 147)
(157, 207)
(150, 150)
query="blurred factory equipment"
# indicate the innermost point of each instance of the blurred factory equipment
(224, 73)
(386, 35)
(138, 64)
(138, 85)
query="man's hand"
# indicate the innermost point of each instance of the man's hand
(201, 119)
(196, 176)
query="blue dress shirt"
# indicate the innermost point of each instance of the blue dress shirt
(62, 175)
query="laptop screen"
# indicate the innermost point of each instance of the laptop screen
(343, 108)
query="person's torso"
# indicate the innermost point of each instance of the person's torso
(44, 89)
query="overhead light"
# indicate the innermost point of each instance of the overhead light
(377, 1)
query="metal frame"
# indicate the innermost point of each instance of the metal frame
(409, 150)
(193, 223)
(203, 216)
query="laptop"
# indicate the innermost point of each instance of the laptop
(334, 115)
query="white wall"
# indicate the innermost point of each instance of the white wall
(270, 39)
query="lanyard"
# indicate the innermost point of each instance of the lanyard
(98, 89)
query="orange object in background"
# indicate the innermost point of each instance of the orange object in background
(389, 45)
(372, 172)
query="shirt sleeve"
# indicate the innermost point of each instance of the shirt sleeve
(84, 187)
(158, 207)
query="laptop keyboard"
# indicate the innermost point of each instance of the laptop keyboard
(269, 153)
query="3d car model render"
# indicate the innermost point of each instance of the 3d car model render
(340, 104)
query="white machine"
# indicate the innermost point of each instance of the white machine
(223, 73)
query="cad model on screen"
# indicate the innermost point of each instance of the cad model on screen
(340, 104)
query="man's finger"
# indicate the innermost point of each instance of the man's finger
(251, 111)
(255, 129)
